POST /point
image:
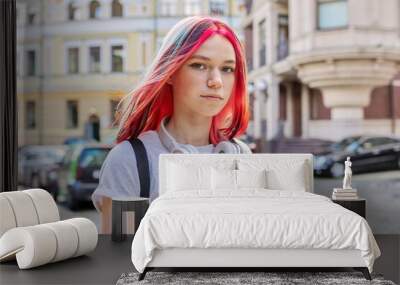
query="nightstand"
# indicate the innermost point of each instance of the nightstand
(120, 207)
(358, 206)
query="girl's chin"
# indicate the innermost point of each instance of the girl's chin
(208, 114)
(211, 113)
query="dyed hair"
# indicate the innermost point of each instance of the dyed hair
(152, 100)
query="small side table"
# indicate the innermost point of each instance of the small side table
(139, 205)
(358, 206)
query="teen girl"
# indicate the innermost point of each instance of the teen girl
(193, 99)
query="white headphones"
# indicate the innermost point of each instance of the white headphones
(169, 142)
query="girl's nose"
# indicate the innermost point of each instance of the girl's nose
(215, 80)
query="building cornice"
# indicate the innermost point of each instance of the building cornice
(351, 53)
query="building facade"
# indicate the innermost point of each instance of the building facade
(323, 69)
(77, 59)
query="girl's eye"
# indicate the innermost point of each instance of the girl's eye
(228, 69)
(198, 65)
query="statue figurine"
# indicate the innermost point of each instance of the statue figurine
(347, 174)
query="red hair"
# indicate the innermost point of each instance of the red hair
(151, 101)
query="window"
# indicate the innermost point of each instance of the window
(218, 7)
(73, 60)
(192, 7)
(72, 114)
(31, 18)
(168, 7)
(116, 9)
(318, 111)
(94, 10)
(94, 60)
(141, 8)
(113, 113)
(30, 63)
(30, 111)
(332, 14)
(262, 43)
(248, 5)
(380, 105)
(117, 59)
(144, 8)
(72, 11)
(283, 37)
(248, 38)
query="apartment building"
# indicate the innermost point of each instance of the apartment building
(77, 59)
(323, 68)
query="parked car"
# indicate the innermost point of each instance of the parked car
(77, 140)
(80, 174)
(367, 153)
(38, 166)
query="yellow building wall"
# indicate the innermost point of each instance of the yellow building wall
(133, 46)
(58, 56)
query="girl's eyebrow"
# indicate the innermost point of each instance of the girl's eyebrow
(208, 59)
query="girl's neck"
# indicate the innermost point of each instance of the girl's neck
(191, 131)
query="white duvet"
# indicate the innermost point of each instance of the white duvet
(252, 218)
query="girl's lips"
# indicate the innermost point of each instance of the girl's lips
(211, 97)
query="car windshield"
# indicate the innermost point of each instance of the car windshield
(343, 144)
(352, 147)
(93, 157)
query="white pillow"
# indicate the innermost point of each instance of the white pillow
(295, 181)
(227, 179)
(186, 177)
(223, 179)
(251, 178)
(282, 174)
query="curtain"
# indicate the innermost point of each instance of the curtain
(8, 100)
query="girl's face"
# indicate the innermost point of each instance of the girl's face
(204, 83)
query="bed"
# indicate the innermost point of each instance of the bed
(247, 210)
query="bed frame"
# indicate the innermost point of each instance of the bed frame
(241, 259)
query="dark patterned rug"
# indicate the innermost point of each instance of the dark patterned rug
(269, 278)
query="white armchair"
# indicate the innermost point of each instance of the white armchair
(31, 231)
